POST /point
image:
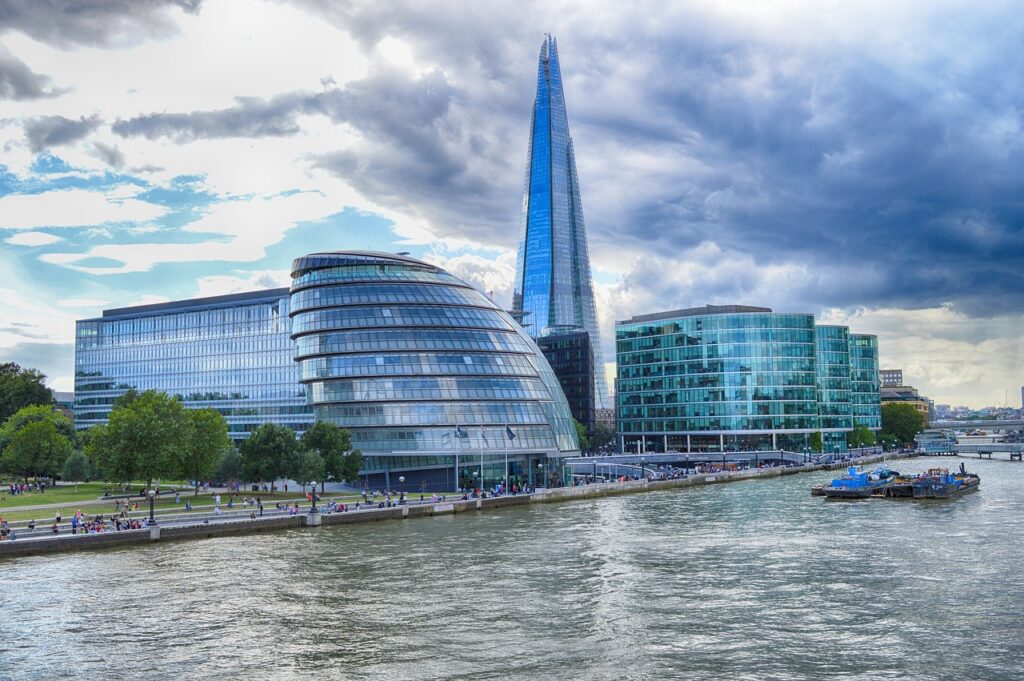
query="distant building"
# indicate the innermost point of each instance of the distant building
(571, 357)
(65, 402)
(891, 377)
(909, 395)
(605, 418)
(735, 377)
(231, 353)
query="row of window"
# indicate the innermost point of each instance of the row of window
(341, 366)
(357, 273)
(435, 414)
(367, 317)
(805, 422)
(409, 339)
(469, 439)
(427, 388)
(382, 294)
(719, 409)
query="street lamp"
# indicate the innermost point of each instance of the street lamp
(540, 474)
(152, 500)
(313, 508)
(401, 481)
(643, 473)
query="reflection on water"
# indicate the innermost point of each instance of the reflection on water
(753, 580)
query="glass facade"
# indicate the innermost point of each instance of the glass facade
(553, 286)
(865, 386)
(431, 378)
(572, 359)
(732, 378)
(834, 385)
(232, 353)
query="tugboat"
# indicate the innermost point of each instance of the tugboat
(939, 483)
(859, 484)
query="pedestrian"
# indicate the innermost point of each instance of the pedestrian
(259, 504)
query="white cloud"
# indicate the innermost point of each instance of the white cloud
(73, 208)
(223, 284)
(32, 239)
(82, 302)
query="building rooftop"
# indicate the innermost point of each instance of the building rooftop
(192, 304)
(694, 312)
(334, 258)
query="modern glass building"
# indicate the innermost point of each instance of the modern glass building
(865, 386)
(436, 384)
(834, 385)
(232, 353)
(553, 287)
(728, 378)
(571, 357)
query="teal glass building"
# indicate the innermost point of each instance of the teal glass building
(865, 386)
(553, 290)
(232, 353)
(435, 382)
(732, 378)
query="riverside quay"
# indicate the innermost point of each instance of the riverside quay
(733, 377)
(435, 382)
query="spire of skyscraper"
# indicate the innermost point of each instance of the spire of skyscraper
(553, 290)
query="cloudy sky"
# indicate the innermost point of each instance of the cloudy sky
(863, 161)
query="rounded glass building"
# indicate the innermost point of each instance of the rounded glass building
(437, 384)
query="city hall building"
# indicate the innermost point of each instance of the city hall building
(733, 377)
(435, 382)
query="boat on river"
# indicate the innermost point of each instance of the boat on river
(939, 483)
(859, 484)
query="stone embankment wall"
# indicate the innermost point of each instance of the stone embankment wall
(253, 526)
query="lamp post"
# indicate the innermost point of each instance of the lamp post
(313, 508)
(401, 483)
(643, 473)
(152, 500)
(540, 474)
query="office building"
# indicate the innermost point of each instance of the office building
(735, 377)
(553, 287)
(232, 353)
(890, 378)
(438, 386)
(571, 357)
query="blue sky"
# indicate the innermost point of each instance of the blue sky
(856, 160)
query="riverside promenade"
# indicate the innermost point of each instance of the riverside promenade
(209, 525)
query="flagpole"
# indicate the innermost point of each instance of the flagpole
(504, 441)
(457, 448)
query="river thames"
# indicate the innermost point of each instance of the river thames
(751, 580)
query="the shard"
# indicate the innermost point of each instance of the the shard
(553, 292)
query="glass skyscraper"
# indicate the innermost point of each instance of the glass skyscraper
(232, 353)
(865, 385)
(734, 377)
(430, 376)
(553, 288)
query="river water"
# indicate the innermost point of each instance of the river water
(751, 580)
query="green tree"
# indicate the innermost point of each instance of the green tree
(207, 440)
(267, 453)
(902, 421)
(37, 412)
(860, 436)
(306, 467)
(36, 448)
(581, 434)
(230, 465)
(76, 469)
(603, 435)
(21, 388)
(334, 445)
(817, 444)
(142, 438)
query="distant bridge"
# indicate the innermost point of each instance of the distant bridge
(631, 463)
(1006, 424)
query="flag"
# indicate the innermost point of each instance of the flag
(459, 432)
(483, 434)
(509, 433)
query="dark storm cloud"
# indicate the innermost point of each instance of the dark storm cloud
(893, 173)
(53, 131)
(250, 117)
(67, 23)
(18, 81)
(110, 154)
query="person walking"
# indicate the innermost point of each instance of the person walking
(259, 505)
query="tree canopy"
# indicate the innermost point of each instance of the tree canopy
(902, 422)
(21, 388)
(860, 436)
(581, 434)
(76, 468)
(143, 436)
(267, 453)
(306, 467)
(35, 446)
(334, 445)
(206, 443)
